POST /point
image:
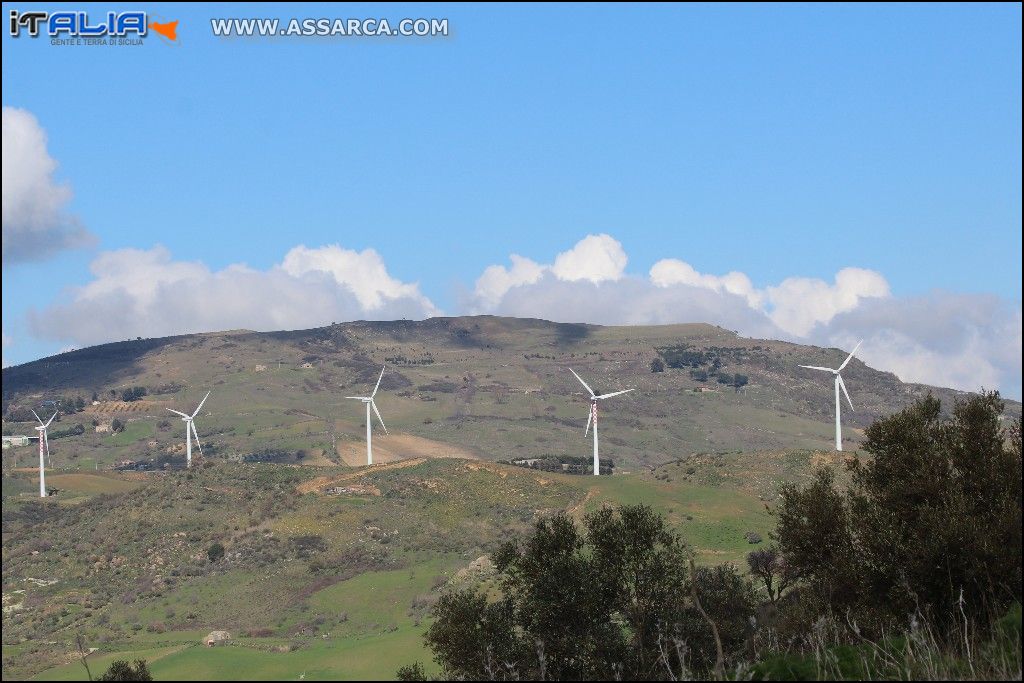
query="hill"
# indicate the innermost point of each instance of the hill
(493, 388)
(327, 569)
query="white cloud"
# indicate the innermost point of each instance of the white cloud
(496, 280)
(959, 341)
(670, 271)
(799, 303)
(362, 272)
(35, 221)
(595, 258)
(147, 293)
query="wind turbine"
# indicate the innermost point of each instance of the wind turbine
(592, 417)
(44, 445)
(368, 400)
(839, 385)
(190, 430)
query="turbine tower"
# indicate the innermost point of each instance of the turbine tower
(839, 385)
(190, 430)
(368, 400)
(592, 416)
(44, 446)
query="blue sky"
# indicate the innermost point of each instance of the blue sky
(779, 142)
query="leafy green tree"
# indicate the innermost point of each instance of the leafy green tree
(657, 365)
(605, 602)
(121, 670)
(931, 523)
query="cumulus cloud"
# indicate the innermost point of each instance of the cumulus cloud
(670, 271)
(799, 303)
(959, 341)
(147, 293)
(496, 280)
(363, 272)
(594, 259)
(35, 221)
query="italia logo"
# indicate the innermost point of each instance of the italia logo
(72, 24)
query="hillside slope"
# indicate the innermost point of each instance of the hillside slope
(493, 388)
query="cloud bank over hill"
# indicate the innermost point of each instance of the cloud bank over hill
(966, 341)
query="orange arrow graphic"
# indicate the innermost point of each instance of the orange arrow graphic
(167, 30)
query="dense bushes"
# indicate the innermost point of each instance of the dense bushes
(609, 601)
(932, 521)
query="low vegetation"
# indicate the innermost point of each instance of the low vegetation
(912, 572)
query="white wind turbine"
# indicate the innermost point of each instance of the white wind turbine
(839, 385)
(592, 417)
(190, 430)
(368, 400)
(44, 446)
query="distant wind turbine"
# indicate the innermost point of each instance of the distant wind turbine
(592, 417)
(190, 430)
(839, 385)
(368, 400)
(44, 446)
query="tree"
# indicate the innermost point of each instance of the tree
(608, 601)
(121, 670)
(770, 566)
(411, 672)
(931, 521)
(657, 365)
(215, 552)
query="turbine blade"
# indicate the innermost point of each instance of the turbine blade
(614, 393)
(848, 358)
(46, 442)
(378, 381)
(587, 386)
(51, 419)
(842, 385)
(200, 407)
(196, 434)
(816, 367)
(372, 403)
(359, 398)
(590, 416)
(176, 412)
(37, 417)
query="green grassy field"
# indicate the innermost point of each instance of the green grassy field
(352, 604)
